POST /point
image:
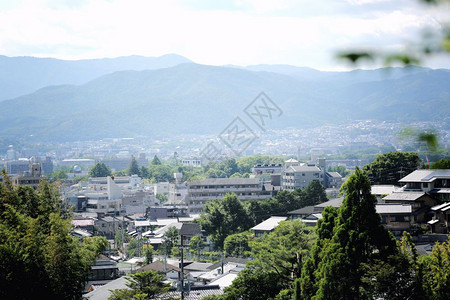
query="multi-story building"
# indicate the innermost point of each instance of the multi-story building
(199, 192)
(299, 177)
(121, 163)
(267, 168)
(30, 178)
(193, 162)
(296, 175)
(15, 167)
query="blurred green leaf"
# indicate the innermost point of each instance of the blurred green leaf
(356, 56)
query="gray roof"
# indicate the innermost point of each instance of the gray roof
(226, 260)
(336, 202)
(196, 293)
(159, 267)
(302, 211)
(190, 229)
(393, 209)
(103, 292)
(404, 196)
(305, 168)
(224, 181)
(198, 266)
(334, 174)
(269, 224)
(425, 175)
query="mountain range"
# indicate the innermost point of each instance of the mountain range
(138, 96)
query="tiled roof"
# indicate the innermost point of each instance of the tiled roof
(404, 196)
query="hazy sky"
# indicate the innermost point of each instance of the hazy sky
(241, 32)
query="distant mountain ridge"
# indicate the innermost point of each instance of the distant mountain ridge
(193, 98)
(23, 75)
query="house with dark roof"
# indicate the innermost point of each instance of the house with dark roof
(440, 222)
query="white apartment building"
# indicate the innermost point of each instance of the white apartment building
(201, 191)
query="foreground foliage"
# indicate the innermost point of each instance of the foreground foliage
(38, 256)
(141, 285)
(349, 255)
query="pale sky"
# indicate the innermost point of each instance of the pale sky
(305, 33)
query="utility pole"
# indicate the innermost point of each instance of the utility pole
(182, 269)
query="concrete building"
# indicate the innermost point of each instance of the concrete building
(193, 162)
(107, 201)
(299, 177)
(201, 191)
(267, 169)
(121, 163)
(19, 166)
(31, 178)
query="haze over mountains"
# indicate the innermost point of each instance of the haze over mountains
(137, 96)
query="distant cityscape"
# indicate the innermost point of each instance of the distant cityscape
(332, 140)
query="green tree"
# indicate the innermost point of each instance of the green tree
(237, 245)
(436, 267)
(100, 170)
(156, 161)
(358, 238)
(141, 285)
(171, 239)
(37, 250)
(144, 172)
(160, 173)
(389, 168)
(313, 194)
(253, 284)
(342, 170)
(161, 197)
(134, 167)
(224, 217)
(196, 245)
(441, 164)
(310, 273)
(283, 251)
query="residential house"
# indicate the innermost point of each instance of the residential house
(267, 225)
(440, 221)
(436, 183)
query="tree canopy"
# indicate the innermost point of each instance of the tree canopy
(224, 217)
(39, 258)
(141, 285)
(100, 170)
(134, 167)
(390, 167)
(441, 164)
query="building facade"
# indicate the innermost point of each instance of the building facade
(201, 191)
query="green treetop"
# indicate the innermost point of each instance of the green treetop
(100, 170)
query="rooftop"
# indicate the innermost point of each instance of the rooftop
(404, 196)
(302, 211)
(336, 202)
(425, 175)
(224, 181)
(269, 224)
(393, 209)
